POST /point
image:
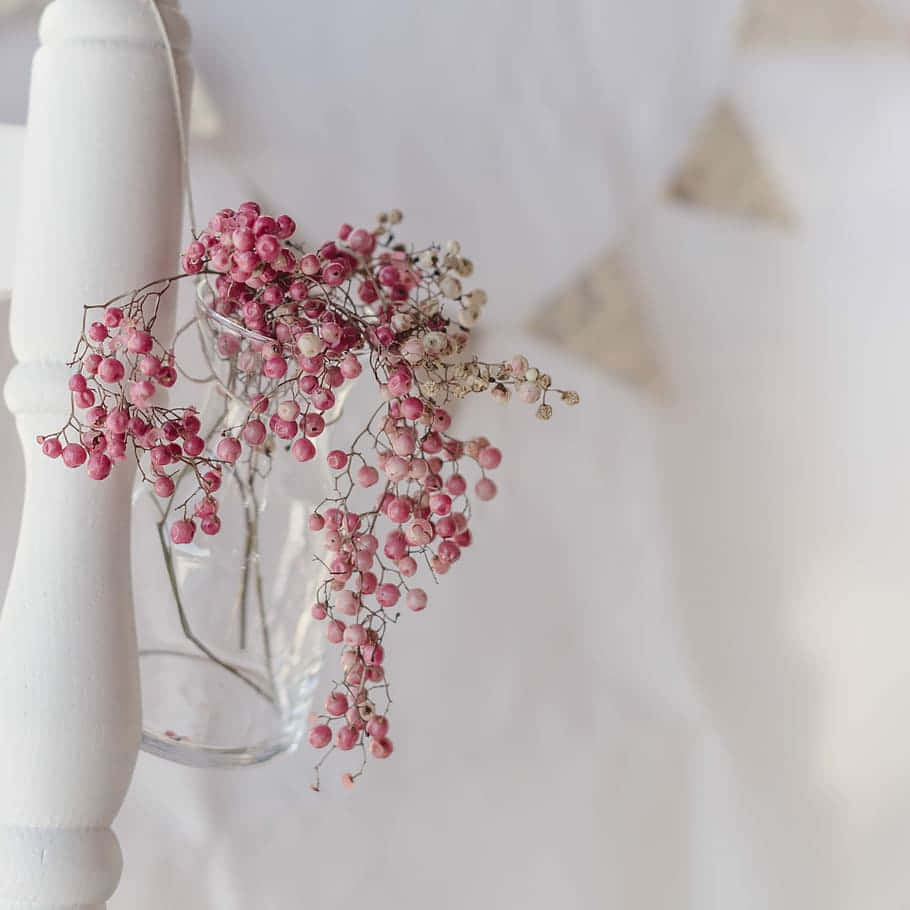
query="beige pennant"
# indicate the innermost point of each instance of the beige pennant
(724, 172)
(599, 317)
(801, 23)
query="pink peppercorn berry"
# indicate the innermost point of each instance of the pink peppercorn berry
(320, 736)
(183, 531)
(74, 455)
(52, 448)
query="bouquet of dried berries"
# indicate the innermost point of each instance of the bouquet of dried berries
(286, 330)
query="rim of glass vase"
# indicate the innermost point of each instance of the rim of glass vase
(208, 312)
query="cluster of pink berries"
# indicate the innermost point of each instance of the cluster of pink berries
(114, 405)
(294, 327)
(420, 515)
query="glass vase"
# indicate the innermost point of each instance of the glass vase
(229, 652)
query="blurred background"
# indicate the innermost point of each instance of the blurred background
(676, 675)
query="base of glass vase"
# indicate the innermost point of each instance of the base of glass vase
(197, 713)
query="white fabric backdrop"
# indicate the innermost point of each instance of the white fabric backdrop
(699, 704)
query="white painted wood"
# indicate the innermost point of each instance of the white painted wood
(11, 142)
(101, 207)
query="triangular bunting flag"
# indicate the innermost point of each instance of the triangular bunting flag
(724, 172)
(598, 316)
(801, 23)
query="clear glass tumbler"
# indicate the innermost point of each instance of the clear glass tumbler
(229, 653)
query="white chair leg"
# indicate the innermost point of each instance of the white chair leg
(101, 213)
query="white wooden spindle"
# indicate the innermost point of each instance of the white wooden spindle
(101, 211)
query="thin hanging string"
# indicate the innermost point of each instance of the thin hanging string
(178, 111)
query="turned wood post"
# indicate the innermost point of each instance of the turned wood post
(101, 214)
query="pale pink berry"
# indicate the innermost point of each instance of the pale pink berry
(456, 485)
(139, 342)
(275, 367)
(388, 594)
(164, 486)
(449, 551)
(367, 476)
(419, 469)
(150, 365)
(518, 366)
(489, 457)
(407, 565)
(355, 635)
(111, 370)
(183, 531)
(84, 399)
(445, 527)
(52, 448)
(74, 455)
(286, 226)
(350, 367)
(99, 466)
(97, 331)
(413, 351)
(320, 736)
(404, 443)
(419, 532)
(334, 631)
(228, 449)
(316, 522)
(373, 654)
(337, 459)
(368, 542)
(485, 489)
(416, 599)
(318, 611)
(346, 738)
(441, 503)
(411, 408)
(336, 704)
(117, 421)
(309, 265)
(91, 362)
(442, 420)
(113, 316)
(399, 509)
(313, 425)
(303, 449)
(396, 468)
(140, 392)
(193, 445)
(431, 443)
(210, 524)
(363, 561)
(268, 246)
(380, 748)
(167, 376)
(367, 582)
(254, 432)
(288, 410)
(322, 399)
(400, 383)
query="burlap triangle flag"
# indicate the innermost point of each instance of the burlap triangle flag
(801, 23)
(724, 172)
(599, 317)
